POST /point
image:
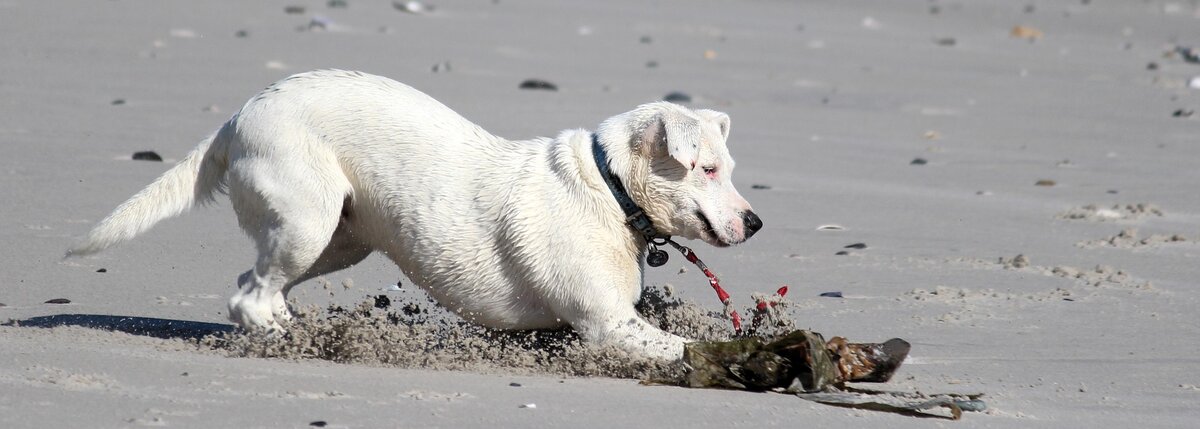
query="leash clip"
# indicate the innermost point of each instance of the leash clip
(657, 257)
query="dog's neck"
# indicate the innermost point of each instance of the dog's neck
(635, 217)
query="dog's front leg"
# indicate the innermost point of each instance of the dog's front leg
(627, 330)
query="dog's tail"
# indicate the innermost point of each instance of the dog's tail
(194, 179)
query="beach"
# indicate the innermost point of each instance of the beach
(1009, 186)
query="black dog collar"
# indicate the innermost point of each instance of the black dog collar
(635, 217)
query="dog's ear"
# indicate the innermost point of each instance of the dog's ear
(720, 118)
(680, 133)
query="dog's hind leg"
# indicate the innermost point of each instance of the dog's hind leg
(344, 249)
(291, 208)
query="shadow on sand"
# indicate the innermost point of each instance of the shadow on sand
(146, 326)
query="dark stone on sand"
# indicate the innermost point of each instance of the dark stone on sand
(318, 424)
(118, 102)
(918, 161)
(1045, 182)
(1183, 113)
(58, 301)
(242, 34)
(836, 294)
(677, 97)
(514, 384)
(102, 270)
(646, 39)
(293, 10)
(856, 246)
(1189, 54)
(337, 4)
(946, 41)
(758, 186)
(842, 253)
(1152, 66)
(651, 64)
(2, 305)
(1112, 191)
(146, 155)
(382, 301)
(538, 84)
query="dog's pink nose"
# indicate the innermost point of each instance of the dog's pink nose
(752, 222)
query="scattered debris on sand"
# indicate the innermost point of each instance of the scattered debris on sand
(1096, 213)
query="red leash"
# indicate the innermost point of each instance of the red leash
(716, 285)
(721, 294)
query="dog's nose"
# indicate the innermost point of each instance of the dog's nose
(753, 223)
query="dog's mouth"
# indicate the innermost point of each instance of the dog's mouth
(708, 233)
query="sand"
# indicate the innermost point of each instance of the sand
(1048, 142)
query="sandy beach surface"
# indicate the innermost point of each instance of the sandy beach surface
(1023, 176)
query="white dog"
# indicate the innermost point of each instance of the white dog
(325, 167)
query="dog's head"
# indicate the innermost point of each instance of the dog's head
(675, 165)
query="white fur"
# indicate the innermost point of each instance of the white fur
(325, 167)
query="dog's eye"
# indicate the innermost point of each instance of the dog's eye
(711, 172)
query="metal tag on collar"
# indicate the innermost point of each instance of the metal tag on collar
(657, 257)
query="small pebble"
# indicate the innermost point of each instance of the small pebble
(59, 301)
(651, 64)
(832, 294)
(856, 246)
(1189, 55)
(1045, 182)
(409, 6)
(118, 102)
(1152, 66)
(146, 155)
(1183, 113)
(530, 406)
(677, 97)
(242, 34)
(830, 227)
(538, 84)
(102, 270)
(946, 41)
(842, 253)
(646, 40)
(293, 10)
(1112, 191)
(318, 23)
(759, 186)
(443, 66)
(514, 384)
(2, 305)
(918, 161)
(318, 424)
(1029, 33)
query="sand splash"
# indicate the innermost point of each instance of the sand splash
(426, 336)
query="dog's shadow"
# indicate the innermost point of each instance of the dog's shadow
(144, 326)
